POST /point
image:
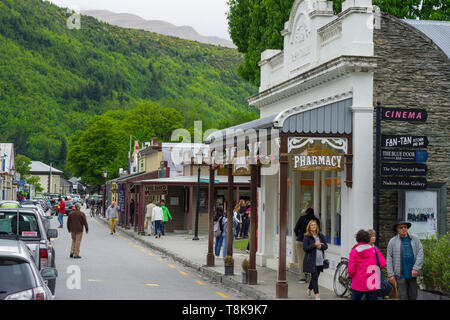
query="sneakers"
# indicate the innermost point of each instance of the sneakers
(71, 255)
(77, 257)
(308, 294)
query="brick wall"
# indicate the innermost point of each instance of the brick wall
(413, 72)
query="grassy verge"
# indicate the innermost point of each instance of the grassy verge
(240, 244)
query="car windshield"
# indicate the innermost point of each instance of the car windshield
(15, 276)
(25, 225)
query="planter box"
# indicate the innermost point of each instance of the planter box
(429, 295)
(244, 277)
(229, 270)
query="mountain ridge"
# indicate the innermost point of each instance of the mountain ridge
(133, 21)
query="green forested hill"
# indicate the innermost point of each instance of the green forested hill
(55, 81)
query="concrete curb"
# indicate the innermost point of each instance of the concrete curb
(211, 274)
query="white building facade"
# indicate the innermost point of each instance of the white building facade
(319, 93)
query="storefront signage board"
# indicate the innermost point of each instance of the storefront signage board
(404, 155)
(156, 189)
(404, 141)
(410, 115)
(399, 169)
(318, 158)
(411, 183)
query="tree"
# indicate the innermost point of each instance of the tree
(22, 164)
(255, 25)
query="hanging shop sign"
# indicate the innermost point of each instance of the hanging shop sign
(400, 169)
(411, 183)
(318, 158)
(404, 141)
(156, 189)
(415, 115)
(404, 155)
(240, 166)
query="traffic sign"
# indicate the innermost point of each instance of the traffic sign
(404, 141)
(403, 183)
(404, 155)
(399, 169)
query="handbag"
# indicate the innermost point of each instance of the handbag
(385, 286)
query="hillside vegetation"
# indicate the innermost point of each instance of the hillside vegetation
(55, 81)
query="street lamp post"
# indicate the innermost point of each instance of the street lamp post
(199, 163)
(105, 175)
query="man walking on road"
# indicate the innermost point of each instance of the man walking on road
(112, 213)
(158, 217)
(61, 212)
(75, 223)
(404, 261)
(167, 216)
(148, 217)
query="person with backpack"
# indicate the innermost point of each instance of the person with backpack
(236, 221)
(218, 230)
(363, 268)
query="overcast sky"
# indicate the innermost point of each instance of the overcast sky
(208, 17)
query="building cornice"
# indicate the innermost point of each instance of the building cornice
(331, 70)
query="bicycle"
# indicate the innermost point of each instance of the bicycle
(341, 281)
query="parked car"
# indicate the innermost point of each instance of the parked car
(45, 218)
(27, 225)
(20, 278)
(10, 204)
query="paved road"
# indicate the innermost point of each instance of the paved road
(114, 267)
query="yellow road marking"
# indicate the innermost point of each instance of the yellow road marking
(152, 285)
(172, 266)
(136, 246)
(130, 242)
(160, 260)
(201, 283)
(143, 250)
(94, 280)
(183, 273)
(222, 295)
(150, 254)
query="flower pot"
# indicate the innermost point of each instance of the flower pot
(229, 270)
(244, 277)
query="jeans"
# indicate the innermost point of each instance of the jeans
(218, 245)
(369, 295)
(407, 289)
(314, 283)
(163, 223)
(157, 226)
(61, 218)
(225, 245)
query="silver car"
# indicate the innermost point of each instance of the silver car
(26, 224)
(20, 278)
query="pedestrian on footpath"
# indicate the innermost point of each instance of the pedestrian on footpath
(225, 227)
(300, 230)
(75, 224)
(314, 245)
(167, 216)
(61, 212)
(148, 217)
(112, 214)
(404, 261)
(363, 268)
(158, 218)
(132, 211)
(218, 230)
(237, 218)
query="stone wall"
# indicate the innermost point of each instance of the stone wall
(413, 72)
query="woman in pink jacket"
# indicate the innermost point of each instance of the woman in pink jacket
(363, 268)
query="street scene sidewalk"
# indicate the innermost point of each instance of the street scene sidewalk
(192, 253)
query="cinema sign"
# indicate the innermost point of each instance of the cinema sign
(318, 159)
(414, 115)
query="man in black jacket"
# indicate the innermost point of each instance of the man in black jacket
(300, 230)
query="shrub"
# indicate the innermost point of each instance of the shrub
(228, 261)
(245, 265)
(435, 273)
